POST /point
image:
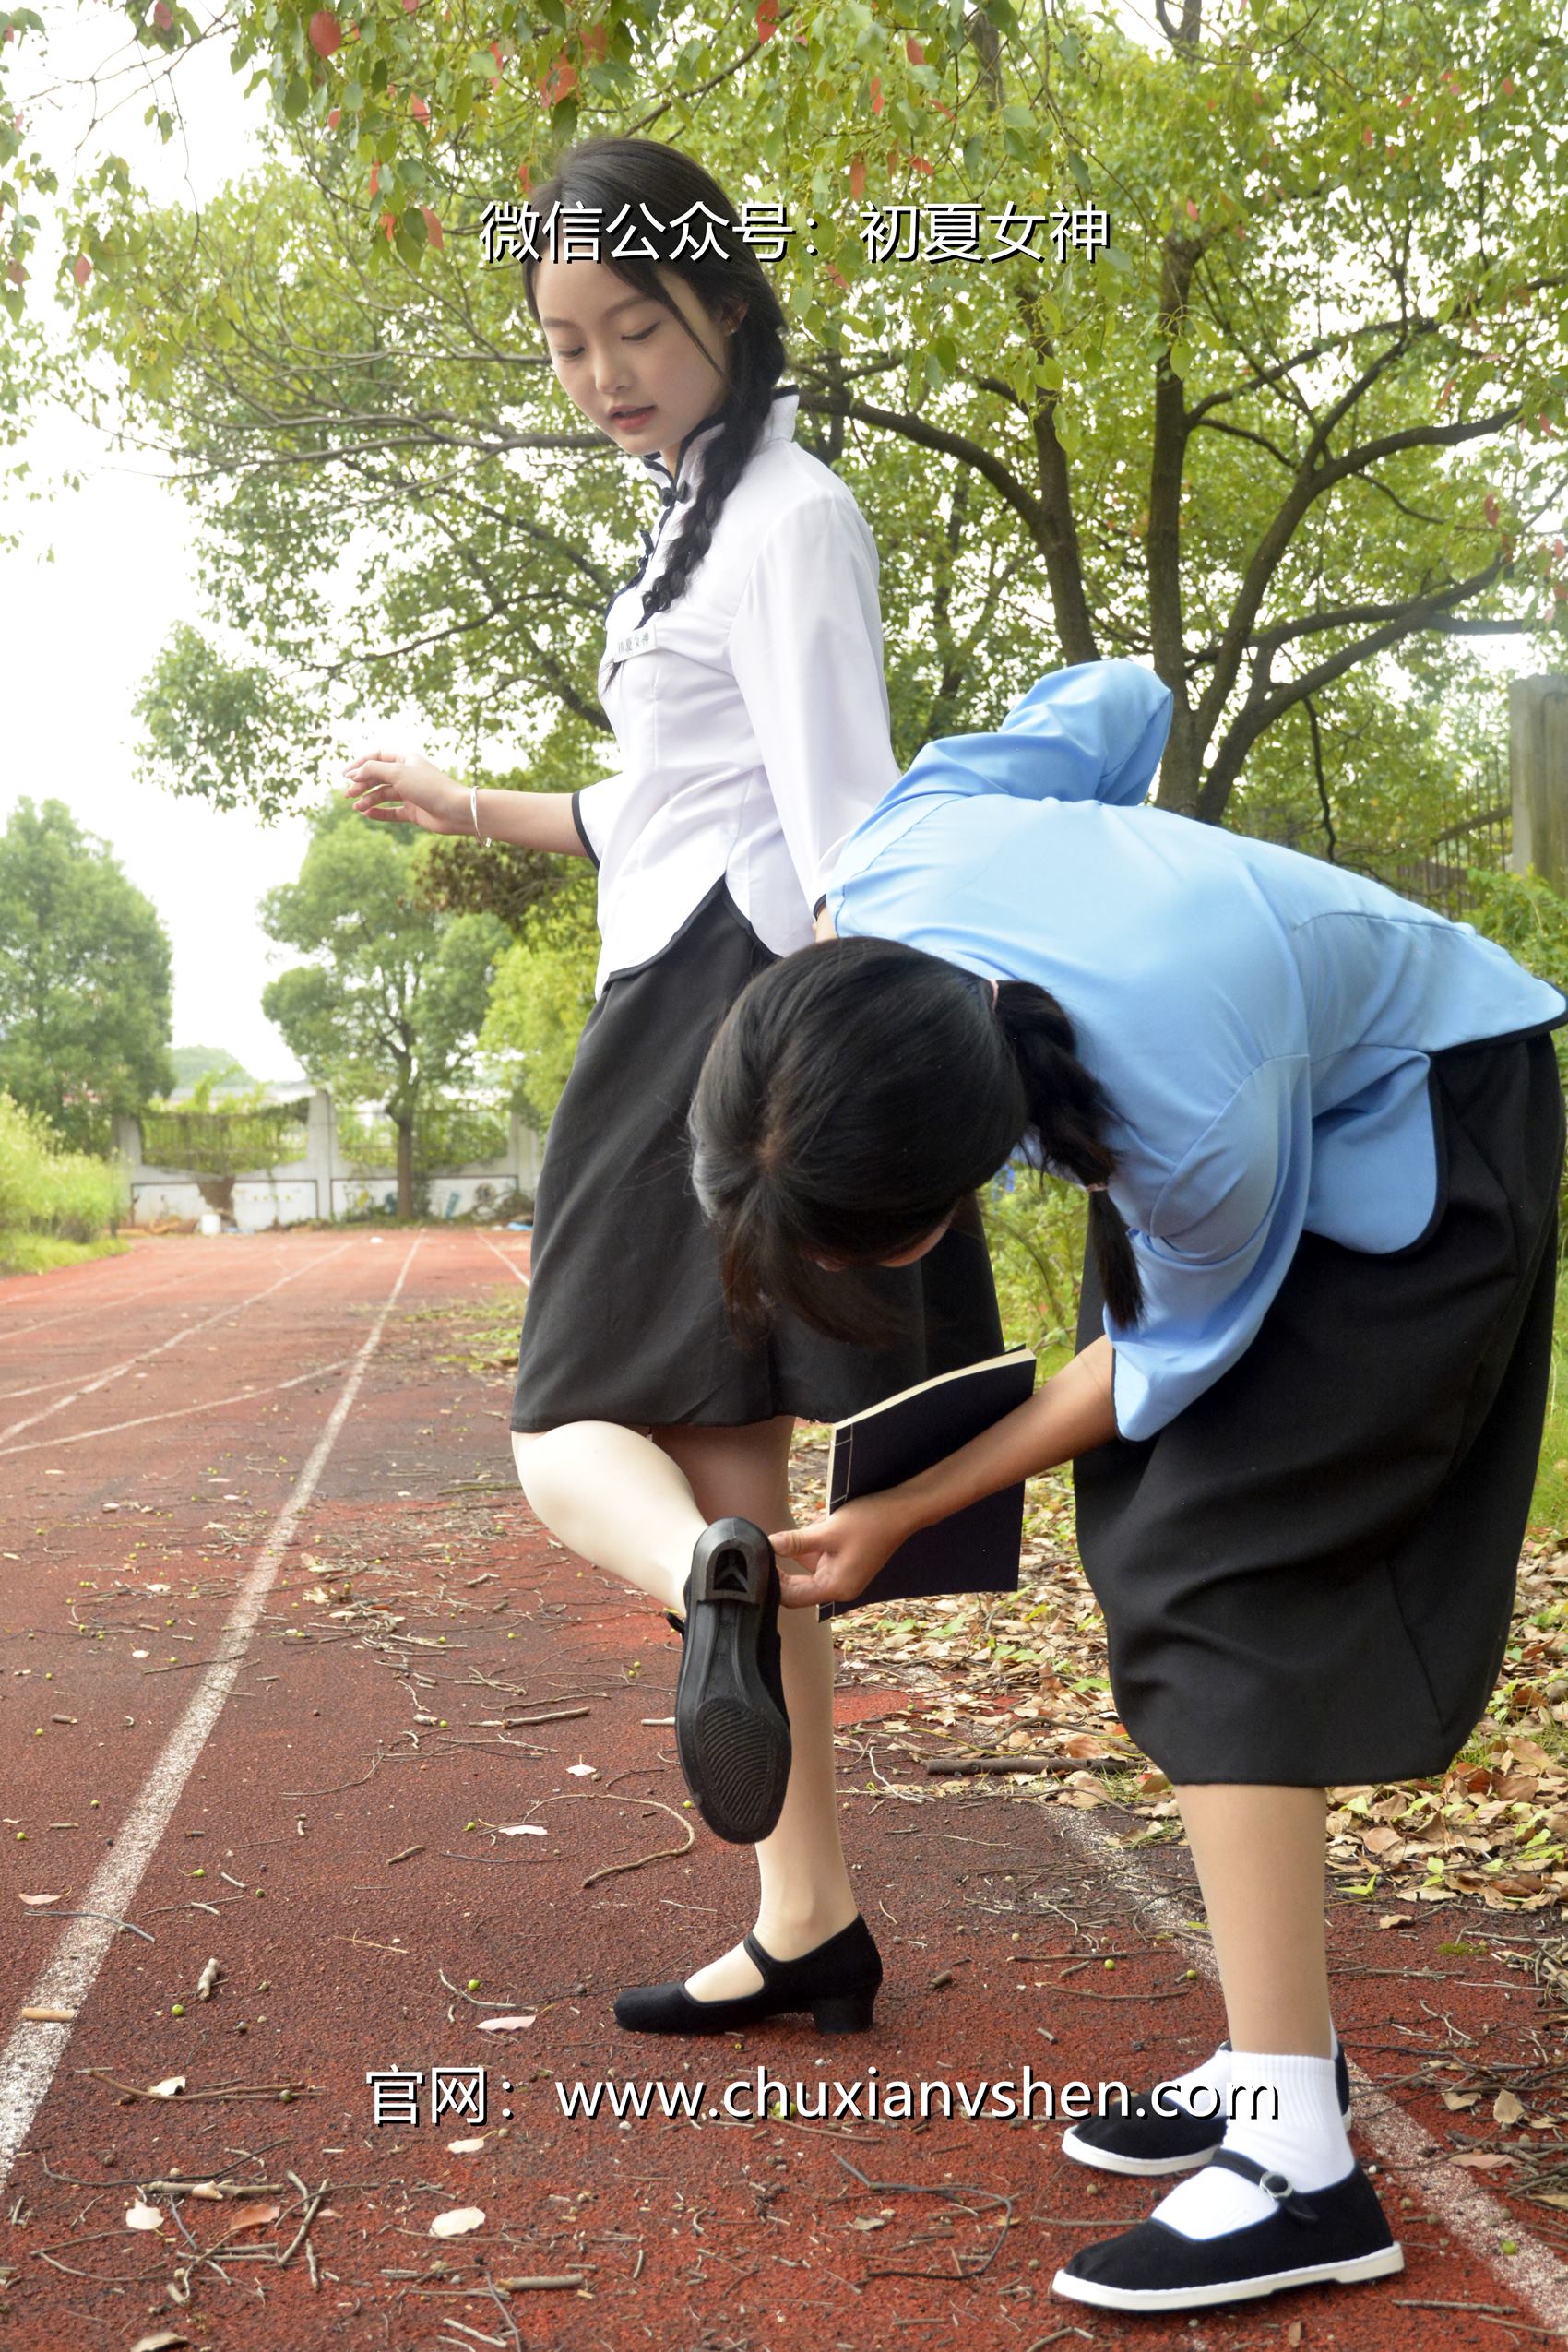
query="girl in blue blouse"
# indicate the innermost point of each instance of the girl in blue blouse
(1321, 1129)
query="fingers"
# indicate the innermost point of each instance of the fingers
(799, 1591)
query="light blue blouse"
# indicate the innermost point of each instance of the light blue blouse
(1261, 1021)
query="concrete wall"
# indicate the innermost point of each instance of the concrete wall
(318, 1185)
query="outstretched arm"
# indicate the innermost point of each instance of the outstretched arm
(411, 791)
(840, 1554)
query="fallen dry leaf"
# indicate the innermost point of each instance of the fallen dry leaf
(1397, 1919)
(1454, 2101)
(1508, 2107)
(253, 2216)
(458, 2222)
(1483, 2163)
(503, 2025)
(521, 1828)
(160, 2340)
(169, 2088)
(464, 2147)
(584, 1771)
(34, 1900)
(143, 2218)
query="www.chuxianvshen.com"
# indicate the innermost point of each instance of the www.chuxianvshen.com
(870, 2099)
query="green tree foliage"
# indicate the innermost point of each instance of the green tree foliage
(1292, 430)
(543, 994)
(191, 1063)
(1524, 914)
(84, 977)
(388, 1005)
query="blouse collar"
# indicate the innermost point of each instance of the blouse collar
(780, 426)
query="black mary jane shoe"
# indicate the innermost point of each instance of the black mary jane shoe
(837, 1982)
(1151, 2141)
(1335, 2237)
(731, 1726)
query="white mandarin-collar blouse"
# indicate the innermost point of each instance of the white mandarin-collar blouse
(752, 718)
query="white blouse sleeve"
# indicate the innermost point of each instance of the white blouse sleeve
(594, 809)
(805, 648)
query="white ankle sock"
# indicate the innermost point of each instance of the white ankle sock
(1286, 2117)
(1210, 2081)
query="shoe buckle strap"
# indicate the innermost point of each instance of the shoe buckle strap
(1285, 2194)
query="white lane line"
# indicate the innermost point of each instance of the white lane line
(505, 1261)
(33, 2052)
(1472, 2218)
(176, 1412)
(100, 1304)
(186, 1331)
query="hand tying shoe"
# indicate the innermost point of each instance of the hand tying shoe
(732, 1727)
(1332, 2236)
(1178, 2133)
(837, 1982)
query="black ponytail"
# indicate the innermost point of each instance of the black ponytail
(612, 174)
(856, 1094)
(1068, 1114)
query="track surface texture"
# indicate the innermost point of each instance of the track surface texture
(285, 1659)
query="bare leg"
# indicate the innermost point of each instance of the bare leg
(637, 1508)
(804, 1894)
(1259, 1852)
(617, 1500)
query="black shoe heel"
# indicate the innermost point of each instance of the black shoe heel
(731, 1726)
(845, 2013)
(836, 1980)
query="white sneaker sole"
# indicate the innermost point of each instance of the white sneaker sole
(1387, 2260)
(1140, 2168)
(1144, 2168)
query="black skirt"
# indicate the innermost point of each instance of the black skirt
(626, 1319)
(1307, 1575)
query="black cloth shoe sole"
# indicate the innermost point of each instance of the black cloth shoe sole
(731, 1726)
(1150, 2145)
(1334, 2236)
(836, 1980)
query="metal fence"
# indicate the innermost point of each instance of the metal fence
(1476, 829)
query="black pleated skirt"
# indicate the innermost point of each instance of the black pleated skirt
(1307, 1576)
(626, 1319)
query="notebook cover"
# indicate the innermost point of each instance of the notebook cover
(976, 1549)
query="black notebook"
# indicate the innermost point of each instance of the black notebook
(976, 1551)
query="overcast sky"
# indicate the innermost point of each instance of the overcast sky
(81, 632)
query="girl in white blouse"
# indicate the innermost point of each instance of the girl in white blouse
(743, 676)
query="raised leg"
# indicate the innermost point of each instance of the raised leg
(615, 1498)
(636, 1505)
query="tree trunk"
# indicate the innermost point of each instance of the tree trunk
(405, 1167)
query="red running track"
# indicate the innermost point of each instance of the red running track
(284, 1655)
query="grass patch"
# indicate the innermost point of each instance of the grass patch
(40, 1253)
